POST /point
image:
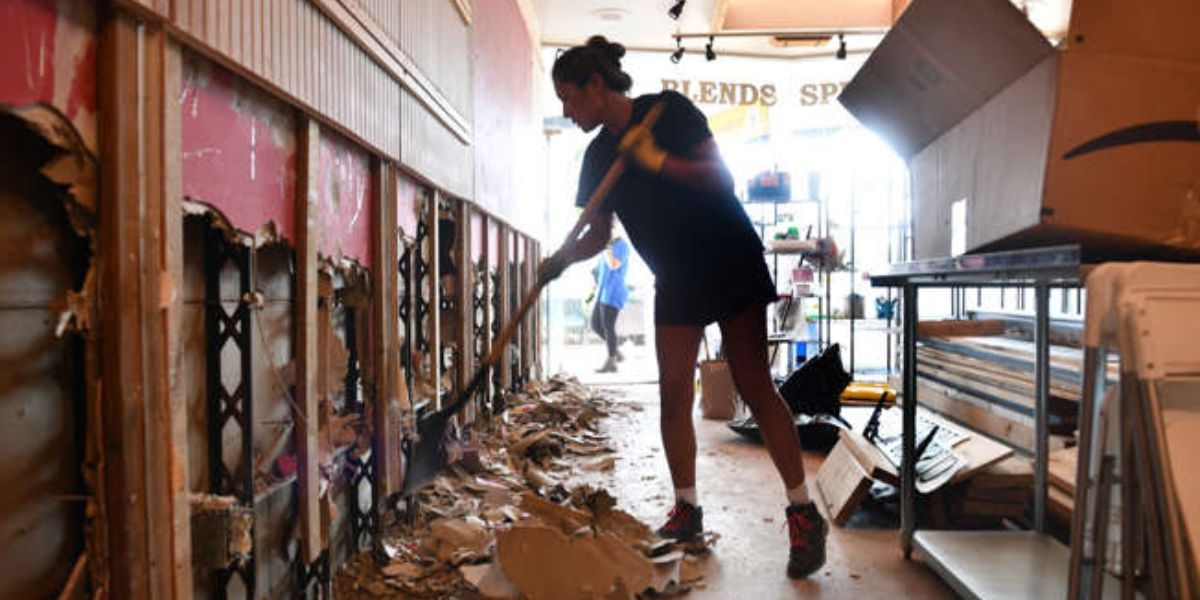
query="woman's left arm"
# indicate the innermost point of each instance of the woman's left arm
(702, 169)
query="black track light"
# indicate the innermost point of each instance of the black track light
(678, 53)
(841, 51)
(677, 9)
(709, 54)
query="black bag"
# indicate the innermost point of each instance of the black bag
(813, 394)
(816, 387)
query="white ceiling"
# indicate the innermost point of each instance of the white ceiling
(644, 24)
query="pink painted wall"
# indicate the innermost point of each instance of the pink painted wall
(48, 55)
(344, 200)
(507, 135)
(239, 149)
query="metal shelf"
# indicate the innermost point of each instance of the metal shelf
(987, 564)
(1001, 564)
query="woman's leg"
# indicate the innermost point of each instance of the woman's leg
(598, 320)
(677, 346)
(609, 317)
(744, 337)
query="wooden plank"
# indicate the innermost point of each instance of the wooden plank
(870, 458)
(307, 363)
(171, 302)
(434, 332)
(954, 404)
(136, 253)
(995, 373)
(486, 244)
(463, 296)
(1062, 469)
(391, 392)
(960, 328)
(842, 483)
(505, 289)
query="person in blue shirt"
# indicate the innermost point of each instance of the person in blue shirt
(677, 204)
(611, 293)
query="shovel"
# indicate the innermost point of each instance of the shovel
(425, 457)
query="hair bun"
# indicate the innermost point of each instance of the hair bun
(612, 50)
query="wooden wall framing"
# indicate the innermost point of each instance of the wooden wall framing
(334, 61)
(140, 259)
(144, 414)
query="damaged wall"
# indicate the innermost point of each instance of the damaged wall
(42, 415)
(344, 194)
(49, 50)
(271, 339)
(239, 150)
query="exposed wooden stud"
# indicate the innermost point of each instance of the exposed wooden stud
(486, 245)
(389, 383)
(434, 331)
(505, 290)
(139, 254)
(307, 327)
(463, 297)
(528, 342)
(537, 317)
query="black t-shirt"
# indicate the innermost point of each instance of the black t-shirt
(682, 233)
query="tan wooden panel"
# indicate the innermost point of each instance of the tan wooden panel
(432, 150)
(439, 42)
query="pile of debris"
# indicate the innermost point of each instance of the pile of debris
(505, 521)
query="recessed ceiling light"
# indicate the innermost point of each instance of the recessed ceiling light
(611, 14)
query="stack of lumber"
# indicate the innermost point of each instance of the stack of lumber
(987, 383)
(1060, 494)
(1001, 491)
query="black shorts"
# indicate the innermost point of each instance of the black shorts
(705, 296)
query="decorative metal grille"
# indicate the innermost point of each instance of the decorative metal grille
(227, 405)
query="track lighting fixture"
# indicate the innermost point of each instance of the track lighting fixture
(709, 54)
(677, 9)
(841, 51)
(678, 53)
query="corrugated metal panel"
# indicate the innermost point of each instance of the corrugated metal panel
(387, 13)
(432, 150)
(435, 36)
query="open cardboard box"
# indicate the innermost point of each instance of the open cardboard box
(1012, 143)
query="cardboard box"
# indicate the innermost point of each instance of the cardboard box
(718, 396)
(1012, 143)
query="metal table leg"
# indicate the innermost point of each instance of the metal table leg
(908, 467)
(1041, 453)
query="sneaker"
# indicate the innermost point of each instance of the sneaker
(610, 366)
(685, 522)
(807, 530)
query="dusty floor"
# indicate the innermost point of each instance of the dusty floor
(743, 502)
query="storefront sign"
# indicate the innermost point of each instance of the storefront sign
(745, 94)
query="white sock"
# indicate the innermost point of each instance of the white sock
(687, 495)
(798, 495)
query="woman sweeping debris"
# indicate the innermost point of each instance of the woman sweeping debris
(680, 212)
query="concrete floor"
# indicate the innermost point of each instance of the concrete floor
(743, 501)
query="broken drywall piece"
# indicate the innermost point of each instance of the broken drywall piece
(402, 570)
(75, 168)
(453, 536)
(79, 313)
(602, 464)
(566, 519)
(490, 581)
(544, 563)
